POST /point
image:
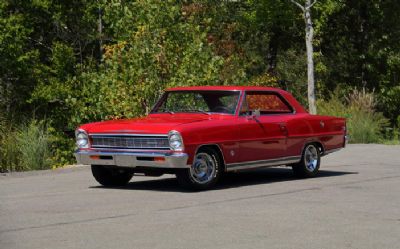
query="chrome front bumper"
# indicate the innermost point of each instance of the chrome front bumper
(133, 159)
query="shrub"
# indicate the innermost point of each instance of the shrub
(25, 148)
(9, 156)
(364, 124)
(62, 148)
(33, 145)
(366, 127)
(392, 134)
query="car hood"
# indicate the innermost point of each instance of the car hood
(152, 124)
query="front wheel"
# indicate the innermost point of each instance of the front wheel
(111, 177)
(310, 161)
(204, 172)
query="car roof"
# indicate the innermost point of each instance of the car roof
(224, 88)
(292, 101)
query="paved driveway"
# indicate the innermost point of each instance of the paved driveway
(355, 203)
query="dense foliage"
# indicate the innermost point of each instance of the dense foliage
(70, 62)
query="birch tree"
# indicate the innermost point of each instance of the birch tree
(306, 9)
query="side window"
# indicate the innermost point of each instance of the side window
(266, 103)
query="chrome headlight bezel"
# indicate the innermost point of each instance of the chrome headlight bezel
(175, 141)
(82, 139)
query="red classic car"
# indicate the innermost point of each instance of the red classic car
(198, 133)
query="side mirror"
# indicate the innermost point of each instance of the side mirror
(255, 114)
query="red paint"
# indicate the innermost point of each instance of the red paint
(241, 138)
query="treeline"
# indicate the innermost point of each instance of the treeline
(63, 63)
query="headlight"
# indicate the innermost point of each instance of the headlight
(82, 139)
(175, 141)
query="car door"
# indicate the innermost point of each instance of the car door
(262, 125)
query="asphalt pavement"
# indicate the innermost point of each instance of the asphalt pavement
(354, 203)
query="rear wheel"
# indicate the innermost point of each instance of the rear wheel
(310, 162)
(204, 172)
(111, 177)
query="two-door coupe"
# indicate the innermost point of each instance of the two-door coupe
(198, 133)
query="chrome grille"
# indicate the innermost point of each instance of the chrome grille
(130, 141)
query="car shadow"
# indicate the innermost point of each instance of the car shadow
(230, 180)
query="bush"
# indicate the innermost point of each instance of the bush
(9, 156)
(364, 124)
(33, 145)
(62, 148)
(366, 127)
(25, 148)
(392, 134)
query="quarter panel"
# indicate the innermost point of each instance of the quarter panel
(306, 128)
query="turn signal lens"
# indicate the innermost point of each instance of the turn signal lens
(159, 159)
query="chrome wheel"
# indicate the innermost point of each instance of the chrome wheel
(205, 171)
(310, 162)
(203, 168)
(311, 158)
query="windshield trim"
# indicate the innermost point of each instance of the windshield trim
(165, 94)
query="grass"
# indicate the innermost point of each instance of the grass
(25, 147)
(34, 147)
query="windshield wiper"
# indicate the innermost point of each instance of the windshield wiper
(170, 112)
(162, 110)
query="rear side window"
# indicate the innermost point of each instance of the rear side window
(266, 103)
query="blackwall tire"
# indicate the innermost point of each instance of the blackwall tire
(111, 177)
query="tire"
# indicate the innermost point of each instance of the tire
(111, 177)
(204, 173)
(310, 162)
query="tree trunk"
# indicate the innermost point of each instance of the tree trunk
(272, 53)
(310, 61)
(306, 9)
(100, 30)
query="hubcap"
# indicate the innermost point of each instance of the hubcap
(311, 158)
(203, 168)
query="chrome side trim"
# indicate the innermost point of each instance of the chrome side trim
(263, 163)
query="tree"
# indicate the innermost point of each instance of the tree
(369, 31)
(306, 9)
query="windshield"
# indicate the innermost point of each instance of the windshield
(198, 101)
